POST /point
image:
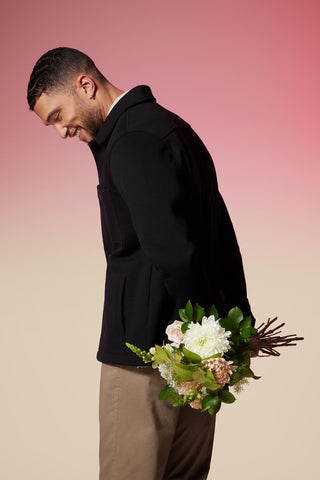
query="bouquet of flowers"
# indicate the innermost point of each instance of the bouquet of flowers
(207, 355)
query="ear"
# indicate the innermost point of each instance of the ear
(85, 85)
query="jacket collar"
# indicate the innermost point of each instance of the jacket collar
(139, 94)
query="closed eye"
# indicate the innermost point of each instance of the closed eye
(53, 116)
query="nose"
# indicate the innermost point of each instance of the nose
(63, 131)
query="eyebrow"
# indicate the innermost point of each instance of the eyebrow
(50, 115)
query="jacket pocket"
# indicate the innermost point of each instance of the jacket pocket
(113, 324)
(109, 222)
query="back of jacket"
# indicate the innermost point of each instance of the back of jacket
(167, 234)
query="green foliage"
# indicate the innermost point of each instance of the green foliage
(211, 403)
(177, 356)
(189, 314)
(212, 311)
(209, 381)
(243, 371)
(147, 357)
(211, 384)
(245, 333)
(226, 396)
(162, 355)
(184, 372)
(236, 315)
(228, 323)
(217, 355)
(170, 394)
(183, 315)
(189, 311)
(166, 393)
(198, 313)
(184, 327)
(192, 395)
(246, 322)
(190, 356)
(186, 315)
(199, 376)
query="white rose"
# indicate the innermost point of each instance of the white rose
(174, 333)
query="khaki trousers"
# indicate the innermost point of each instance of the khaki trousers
(144, 438)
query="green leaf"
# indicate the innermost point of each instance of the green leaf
(209, 381)
(227, 323)
(199, 376)
(212, 311)
(213, 391)
(209, 375)
(226, 396)
(236, 315)
(211, 403)
(177, 356)
(235, 378)
(166, 393)
(184, 327)
(198, 313)
(191, 356)
(169, 354)
(246, 322)
(185, 372)
(211, 384)
(189, 311)
(246, 333)
(161, 355)
(235, 338)
(217, 355)
(247, 372)
(183, 315)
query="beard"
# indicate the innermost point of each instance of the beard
(91, 119)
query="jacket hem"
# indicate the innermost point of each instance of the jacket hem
(113, 359)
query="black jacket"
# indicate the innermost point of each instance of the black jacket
(166, 231)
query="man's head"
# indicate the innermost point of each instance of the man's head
(66, 90)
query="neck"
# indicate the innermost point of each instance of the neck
(106, 95)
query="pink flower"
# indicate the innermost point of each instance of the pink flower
(221, 369)
(185, 387)
(196, 404)
(174, 333)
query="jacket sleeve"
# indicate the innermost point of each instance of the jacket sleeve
(145, 173)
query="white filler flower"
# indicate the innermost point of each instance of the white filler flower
(208, 338)
(166, 372)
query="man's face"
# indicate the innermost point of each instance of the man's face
(72, 115)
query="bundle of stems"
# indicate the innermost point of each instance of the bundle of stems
(269, 339)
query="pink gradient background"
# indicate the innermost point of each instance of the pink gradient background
(246, 75)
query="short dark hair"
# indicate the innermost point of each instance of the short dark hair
(56, 69)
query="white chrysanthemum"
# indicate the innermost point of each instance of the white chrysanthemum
(208, 338)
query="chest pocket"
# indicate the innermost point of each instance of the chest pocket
(109, 221)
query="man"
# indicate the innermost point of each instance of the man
(167, 238)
